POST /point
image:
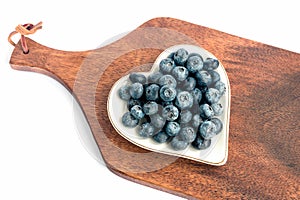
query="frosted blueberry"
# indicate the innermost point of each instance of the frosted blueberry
(124, 92)
(178, 144)
(170, 113)
(129, 121)
(194, 63)
(180, 56)
(167, 93)
(137, 78)
(150, 108)
(210, 64)
(136, 90)
(172, 128)
(208, 129)
(146, 130)
(167, 80)
(180, 73)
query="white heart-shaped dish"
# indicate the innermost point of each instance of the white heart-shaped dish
(216, 154)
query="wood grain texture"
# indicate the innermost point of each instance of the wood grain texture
(264, 150)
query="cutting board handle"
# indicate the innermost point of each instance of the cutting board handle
(60, 65)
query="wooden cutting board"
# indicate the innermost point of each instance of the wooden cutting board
(264, 136)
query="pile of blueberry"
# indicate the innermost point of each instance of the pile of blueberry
(177, 104)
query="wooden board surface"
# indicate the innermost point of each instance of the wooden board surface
(264, 136)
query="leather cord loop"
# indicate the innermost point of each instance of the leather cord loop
(25, 29)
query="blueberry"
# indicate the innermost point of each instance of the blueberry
(218, 123)
(129, 121)
(170, 113)
(166, 65)
(208, 129)
(206, 112)
(136, 90)
(184, 100)
(196, 121)
(180, 73)
(197, 95)
(161, 137)
(167, 80)
(137, 112)
(210, 64)
(178, 143)
(185, 116)
(146, 130)
(154, 77)
(172, 128)
(212, 95)
(180, 56)
(217, 108)
(167, 93)
(157, 121)
(194, 63)
(189, 84)
(215, 76)
(221, 87)
(150, 108)
(203, 78)
(133, 102)
(137, 78)
(187, 134)
(152, 92)
(124, 92)
(200, 143)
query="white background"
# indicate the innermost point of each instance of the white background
(41, 153)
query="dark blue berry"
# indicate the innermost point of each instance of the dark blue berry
(150, 108)
(129, 121)
(167, 93)
(146, 130)
(185, 116)
(166, 65)
(161, 137)
(172, 128)
(194, 63)
(197, 95)
(200, 143)
(154, 77)
(210, 64)
(184, 100)
(167, 80)
(217, 108)
(124, 92)
(137, 112)
(157, 121)
(221, 87)
(137, 78)
(215, 76)
(208, 129)
(203, 78)
(189, 84)
(180, 56)
(206, 112)
(178, 144)
(212, 95)
(196, 121)
(152, 92)
(170, 113)
(180, 73)
(133, 102)
(218, 123)
(136, 90)
(187, 134)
